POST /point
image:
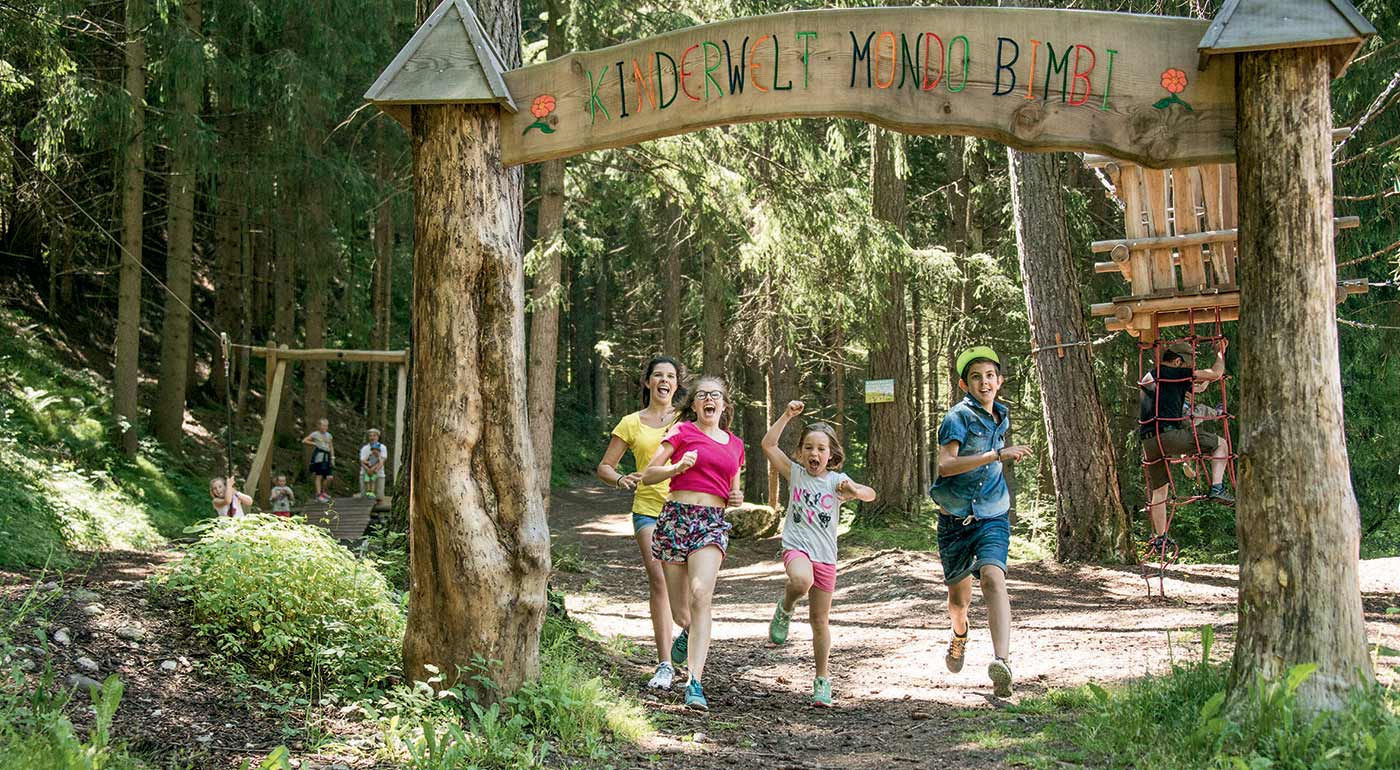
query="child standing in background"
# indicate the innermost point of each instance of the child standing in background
(809, 532)
(322, 466)
(282, 497)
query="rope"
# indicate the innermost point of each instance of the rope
(1370, 112)
(1079, 343)
(1360, 325)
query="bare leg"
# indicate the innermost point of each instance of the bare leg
(1157, 510)
(799, 581)
(819, 614)
(998, 609)
(1217, 464)
(959, 597)
(656, 591)
(317, 480)
(677, 580)
(704, 568)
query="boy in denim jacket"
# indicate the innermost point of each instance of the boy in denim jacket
(974, 532)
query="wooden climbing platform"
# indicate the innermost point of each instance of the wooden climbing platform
(346, 518)
(1178, 253)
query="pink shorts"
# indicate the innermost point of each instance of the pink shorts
(823, 574)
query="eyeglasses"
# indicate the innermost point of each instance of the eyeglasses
(709, 395)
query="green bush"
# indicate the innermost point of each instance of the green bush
(288, 601)
(35, 734)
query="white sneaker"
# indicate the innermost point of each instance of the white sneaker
(664, 674)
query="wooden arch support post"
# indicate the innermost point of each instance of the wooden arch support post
(1297, 518)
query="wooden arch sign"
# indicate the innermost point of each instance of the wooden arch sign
(1123, 85)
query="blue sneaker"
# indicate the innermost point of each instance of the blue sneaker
(680, 647)
(695, 696)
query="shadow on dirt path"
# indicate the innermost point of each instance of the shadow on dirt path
(896, 705)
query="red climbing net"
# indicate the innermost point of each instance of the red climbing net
(1203, 326)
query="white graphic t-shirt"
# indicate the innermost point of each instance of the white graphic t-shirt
(813, 514)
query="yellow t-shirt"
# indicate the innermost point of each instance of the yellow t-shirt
(643, 440)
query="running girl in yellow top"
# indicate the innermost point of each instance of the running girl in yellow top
(641, 432)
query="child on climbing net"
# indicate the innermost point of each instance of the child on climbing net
(227, 500)
(372, 466)
(322, 458)
(813, 513)
(1167, 431)
(281, 496)
(974, 532)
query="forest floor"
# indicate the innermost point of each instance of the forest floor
(895, 704)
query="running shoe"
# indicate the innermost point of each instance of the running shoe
(778, 627)
(1218, 493)
(679, 647)
(1161, 545)
(1000, 674)
(957, 650)
(662, 679)
(695, 696)
(821, 692)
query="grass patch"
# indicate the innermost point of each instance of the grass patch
(1177, 721)
(69, 486)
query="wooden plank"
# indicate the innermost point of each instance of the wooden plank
(1140, 272)
(346, 518)
(1212, 178)
(851, 62)
(1197, 239)
(400, 403)
(1185, 221)
(332, 354)
(1159, 304)
(1154, 186)
(1094, 160)
(269, 429)
(1175, 318)
(449, 59)
(1229, 215)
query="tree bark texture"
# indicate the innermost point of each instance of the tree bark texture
(1297, 517)
(175, 329)
(892, 471)
(228, 268)
(1090, 520)
(479, 541)
(284, 311)
(671, 306)
(714, 286)
(545, 295)
(133, 186)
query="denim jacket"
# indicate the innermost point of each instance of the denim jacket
(980, 492)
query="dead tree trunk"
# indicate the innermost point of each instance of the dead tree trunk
(1297, 518)
(1090, 520)
(169, 411)
(479, 541)
(128, 347)
(892, 472)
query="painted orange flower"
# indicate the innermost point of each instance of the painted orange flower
(540, 108)
(1173, 80)
(544, 103)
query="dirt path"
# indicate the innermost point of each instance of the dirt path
(896, 705)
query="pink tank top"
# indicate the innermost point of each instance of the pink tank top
(715, 463)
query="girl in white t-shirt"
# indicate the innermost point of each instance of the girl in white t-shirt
(816, 490)
(227, 500)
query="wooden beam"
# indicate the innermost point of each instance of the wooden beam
(331, 354)
(1174, 318)
(1095, 160)
(1196, 239)
(400, 401)
(1167, 303)
(269, 429)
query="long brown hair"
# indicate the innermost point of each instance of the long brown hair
(678, 399)
(838, 455)
(726, 417)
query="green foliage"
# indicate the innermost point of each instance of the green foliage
(286, 600)
(69, 486)
(36, 735)
(579, 440)
(1181, 720)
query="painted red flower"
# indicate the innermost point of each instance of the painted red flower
(1174, 80)
(544, 104)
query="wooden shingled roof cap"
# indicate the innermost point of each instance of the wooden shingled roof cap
(1261, 25)
(449, 60)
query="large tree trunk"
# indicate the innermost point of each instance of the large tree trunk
(169, 411)
(381, 235)
(892, 472)
(603, 324)
(229, 298)
(1297, 518)
(284, 301)
(128, 347)
(1090, 521)
(920, 447)
(314, 379)
(671, 306)
(713, 287)
(545, 295)
(479, 539)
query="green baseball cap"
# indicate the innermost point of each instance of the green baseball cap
(974, 353)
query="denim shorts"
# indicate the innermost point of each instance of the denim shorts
(683, 529)
(641, 521)
(964, 549)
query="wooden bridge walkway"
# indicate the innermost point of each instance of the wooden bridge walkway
(346, 518)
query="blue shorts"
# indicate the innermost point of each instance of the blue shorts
(966, 549)
(641, 521)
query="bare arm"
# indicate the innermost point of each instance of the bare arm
(736, 491)
(661, 469)
(951, 464)
(848, 489)
(307, 441)
(244, 500)
(607, 471)
(1218, 370)
(775, 455)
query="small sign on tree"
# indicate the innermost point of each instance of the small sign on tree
(879, 391)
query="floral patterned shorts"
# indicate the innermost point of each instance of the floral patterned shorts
(683, 529)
